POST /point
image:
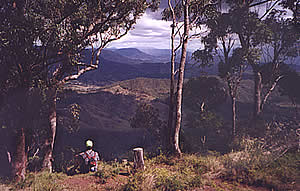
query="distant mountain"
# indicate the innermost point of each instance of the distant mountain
(115, 56)
(296, 66)
(117, 65)
(135, 53)
(163, 54)
(130, 63)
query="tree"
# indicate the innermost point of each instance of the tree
(186, 29)
(43, 41)
(257, 37)
(254, 33)
(174, 25)
(188, 12)
(174, 12)
(251, 33)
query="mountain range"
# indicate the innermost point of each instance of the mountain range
(130, 63)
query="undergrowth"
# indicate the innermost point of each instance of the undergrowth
(43, 181)
(249, 167)
(107, 171)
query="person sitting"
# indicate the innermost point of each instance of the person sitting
(86, 161)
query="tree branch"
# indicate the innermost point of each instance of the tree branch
(270, 91)
(79, 73)
(270, 9)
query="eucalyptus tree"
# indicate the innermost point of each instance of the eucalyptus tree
(43, 41)
(184, 14)
(239, 36)
(255, 33)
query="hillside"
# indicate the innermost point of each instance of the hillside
(105, 112)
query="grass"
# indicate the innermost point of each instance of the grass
(233, 171)
(226, 172)
(43, 181)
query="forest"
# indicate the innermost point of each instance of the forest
(223, 116)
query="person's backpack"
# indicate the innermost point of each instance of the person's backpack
(92, 159)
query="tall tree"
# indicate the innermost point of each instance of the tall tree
(186, 28)
(44, 42)
(175, 31)
(183, 14)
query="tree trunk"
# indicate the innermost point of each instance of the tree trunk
(257, 94)
(20, 157)
(233, 102)
(49, 142)
(138, 159)
(176, 149)
(172, 85)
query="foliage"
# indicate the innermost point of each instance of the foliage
(287, 87)
(207, 121)
(71, 119)
(64, 159)
(202, 96)
(204, 93)
(147, 117)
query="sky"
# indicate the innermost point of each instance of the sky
(149, 32)
(152, 32)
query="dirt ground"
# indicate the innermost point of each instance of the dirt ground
(81, 183)
(84, 182)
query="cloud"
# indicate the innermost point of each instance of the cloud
(149, 32)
